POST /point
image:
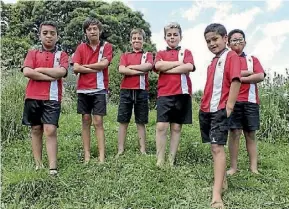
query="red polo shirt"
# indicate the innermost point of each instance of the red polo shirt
(135, 81)
(41, 90)
(249, 92)
(173, 84)
(85, 55)
(218, 84)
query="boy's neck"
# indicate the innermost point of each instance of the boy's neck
(221, 52)
(137, 50)
(48, 48)
(94, 43)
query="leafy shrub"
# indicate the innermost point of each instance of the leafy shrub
(12, 103)
(13, 52)
(274, 108)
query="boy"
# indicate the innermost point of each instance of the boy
(91, 60)
(174, 104)
(134, 89)
(220, 94)
(45, 68)
(246, 111)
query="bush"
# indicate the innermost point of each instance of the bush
(12, 103)
(13, 53)
(274, 108)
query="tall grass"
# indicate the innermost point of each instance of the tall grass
(12, 103)
(274, 108)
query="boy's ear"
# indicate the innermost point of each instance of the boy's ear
(225, 38)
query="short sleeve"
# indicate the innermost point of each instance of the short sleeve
(108, 52)
(234, 67)
(77, 56)
(123, 60)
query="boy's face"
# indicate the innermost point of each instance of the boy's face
(136, 41)
(173, 37)
(48, 36)
(215, 42)
(92, 33)
(237, 43)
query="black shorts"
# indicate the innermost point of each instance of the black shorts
(39, 112)
(94, 104)
(214, 127)
(175, 109)
(136, 99)
(245, 116)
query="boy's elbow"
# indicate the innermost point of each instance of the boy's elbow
(27, 72)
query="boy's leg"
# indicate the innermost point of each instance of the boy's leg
(175, 140)
(36, 142)
(85, 135)
(141, 130)
(141, 112)
(50, 118)
(251, 144)
(99, 110)
(50, 132)
(181, 114)
(219, 158)
(123, 117)
(164, 107)
(161, 139)
(218, 137)
(32, 117)
(236, 126)
(122, 131)
(84, 107)
(252, 121)
(234, 141)
(99, 131)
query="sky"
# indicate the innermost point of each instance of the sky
(265, 23)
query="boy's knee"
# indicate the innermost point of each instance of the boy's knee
(98, 122)
(236, 133)
(250, 135)
(176, 128)
(50, 130)
(162, 127)
(216, 149)
(86, 120)
(36, 129)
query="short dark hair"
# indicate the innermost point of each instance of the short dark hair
(51, 23)
(216, 27)
(236, 31)
(139, 31)
(173, 25)
(91, 21)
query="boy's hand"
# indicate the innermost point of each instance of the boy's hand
(229, 111)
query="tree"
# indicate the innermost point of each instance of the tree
(118, 20)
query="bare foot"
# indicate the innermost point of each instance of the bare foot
(255, 171)
(171, 161)
(120, 153)
(160, 163)
(101, 160)
(218, 204)
(231, 171)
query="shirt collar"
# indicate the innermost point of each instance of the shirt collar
(243, 54)
(177, 48)
(42, 49)
(134, 52)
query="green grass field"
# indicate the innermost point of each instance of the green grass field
(133, 180)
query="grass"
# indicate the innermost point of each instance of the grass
(133, 180)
